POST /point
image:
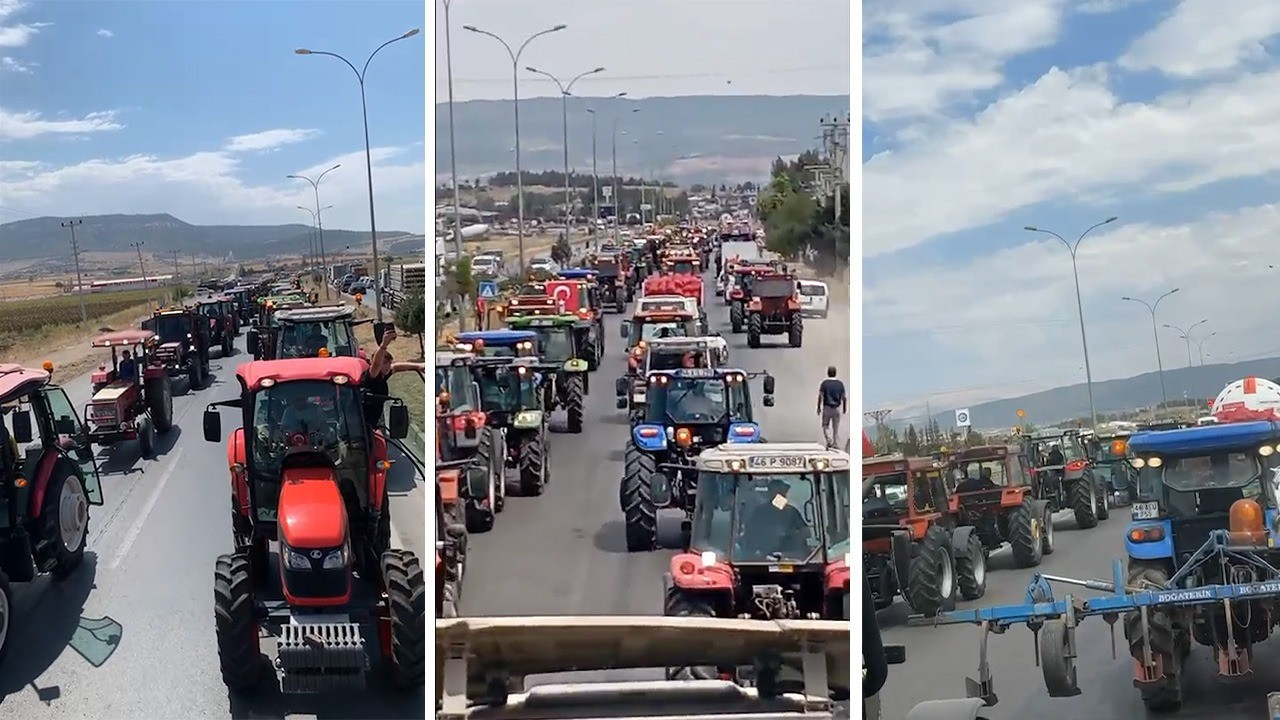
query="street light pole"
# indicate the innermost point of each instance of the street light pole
(1151, 307)
(314, 216)
(315, 187)
(453, 148)
(515, 82)
(1200, 346)
(564, 111)
(595, 174)
(617, 184)
(368, 158)
(1186, 336)
(1088, 370)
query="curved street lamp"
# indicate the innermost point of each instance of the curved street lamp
(368, 157)
(564, 111)
(315, 186)
(1151, 308)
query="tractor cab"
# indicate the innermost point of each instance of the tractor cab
(1110, 459)
(673, 319)
(509, 387)
(703, 407)
(458, 405)
(769, 537)
(308, 332)
(559, 338)
(242, 297)
(224, 325)
(309, 473)
(498, 343)
(611, 283)
(130, 402)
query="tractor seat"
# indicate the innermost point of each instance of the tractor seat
(113, 391)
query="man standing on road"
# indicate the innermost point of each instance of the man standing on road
(832, 403)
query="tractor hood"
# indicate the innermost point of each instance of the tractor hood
(311, 511)
(472, 649)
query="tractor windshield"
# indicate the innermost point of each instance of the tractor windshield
(773, 288)
(305, 416)
(307, 339)
(683, 267)
(456, 380)
(761, 518)
(885, 490)
(555, 344)
(1210, 472)
(649, 330)
(686, 401)
(836, 513)
(506, 388)
(212, 310)
(171, 328)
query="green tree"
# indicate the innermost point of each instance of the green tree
(411, 317)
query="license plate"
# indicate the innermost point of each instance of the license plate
(1146, 511)
(770, 462)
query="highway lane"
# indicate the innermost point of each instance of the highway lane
(939, 658)
(564, 553)
(149, 568)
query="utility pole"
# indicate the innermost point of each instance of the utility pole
(138, 246)
(195, 269)
(75, 254)
(878, 417)
(177, 274)
(835, 147)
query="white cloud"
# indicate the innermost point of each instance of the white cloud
(1100, 7)
(917, 64)
(24, 126)
(20, 34)
(269, 139)
(1064, 136)
(1024, 326)
(14, 65)
(1202, 37)
(207, 188)
(103, 32)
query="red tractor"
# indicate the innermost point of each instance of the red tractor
(774, 309)
(462, 434)
(48, 480)
(313, 564)
(739, 293)
(451, 537)
(183, 344)
(135, 406)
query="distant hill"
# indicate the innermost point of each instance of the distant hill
(44, 237)
(1110, 396)
(734, 138)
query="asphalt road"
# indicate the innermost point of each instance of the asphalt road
(939, 658)
(563, 553)
(149, 568)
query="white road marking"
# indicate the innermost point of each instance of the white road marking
(134, 530)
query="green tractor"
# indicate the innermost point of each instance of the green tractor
(511, 398)
(563, 342)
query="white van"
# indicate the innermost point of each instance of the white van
(813, 298)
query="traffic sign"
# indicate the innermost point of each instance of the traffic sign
(488, 289)
(962, 418)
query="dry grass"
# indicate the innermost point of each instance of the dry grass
(21, 289)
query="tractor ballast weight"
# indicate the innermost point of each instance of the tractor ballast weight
(133, 408)
(314, 482)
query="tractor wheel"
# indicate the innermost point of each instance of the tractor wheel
(1104, 498)
(1047, 545)
(795, 333)
(160, 403)
(381, 540)
(228, 345)
(1165, 695)
(931, 581)
(573, 402)
(407, 602)
(679, 603)
(637, 500)
(755, 326)
(64, 517)
(146, 437)
(620, 305)
(735, 317)
(1083, 500)
(1026, 529)
(493, 456)
(533, 466)
(479, 518)
(6, 614)
(239, 656)
(193, 374)
(971, 570)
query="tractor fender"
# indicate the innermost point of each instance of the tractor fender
(378, 467)
(239, 480)
(957, 709)
(687, 572)
(44, 473)
(900, 556)
(960, 540)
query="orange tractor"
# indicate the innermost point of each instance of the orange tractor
(1000, 502)
(774, 309)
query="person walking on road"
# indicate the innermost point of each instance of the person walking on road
(833, 402)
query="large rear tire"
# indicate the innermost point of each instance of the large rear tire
(477, 517)
(971, 570)
(1026, 528)
(1083, 500)
(735, 316)
(573, 402)
(755, 326)
(795, 333)
(146, 437)
(1166, 694)
(931, 583)
(6, 615)
(533, 469)
(236, 629)
(64, 520)
(638, 510)
(407, 601)
(679, 603)
(160, 403)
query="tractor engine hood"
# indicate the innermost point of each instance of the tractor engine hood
(169, 349)
(312, 514)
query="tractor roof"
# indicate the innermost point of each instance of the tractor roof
(445, 358)
(17, 381)
(678, 344)
(252, 374)
(700, 373)
(542, 320)
(497, 338)
(769, 458)
(577, 274)
(984, 452)
(1207, 438)
(895, 463)
(317, 313)
(118, 338)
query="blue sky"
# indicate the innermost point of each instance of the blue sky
(200, 109)
(984, 116)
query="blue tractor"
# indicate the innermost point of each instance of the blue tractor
(499, 343)
(686, 411)
(1203, 566)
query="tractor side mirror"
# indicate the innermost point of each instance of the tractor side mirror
(624, 330)
(769, 384)
(620, 403)
(767, 401)
(212, 422)
(251, 341)
(22, 433)
(621, 386)
(398, 421)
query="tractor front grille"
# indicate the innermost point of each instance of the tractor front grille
(321, 657)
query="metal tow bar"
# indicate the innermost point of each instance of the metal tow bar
(1053, 622)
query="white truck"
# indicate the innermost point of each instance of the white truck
(403, 281)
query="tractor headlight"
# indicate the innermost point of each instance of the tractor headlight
(336, 559)
(1266, 451)
(296, 560)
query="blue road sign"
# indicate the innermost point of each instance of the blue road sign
(488, 290)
